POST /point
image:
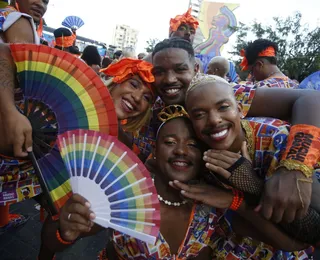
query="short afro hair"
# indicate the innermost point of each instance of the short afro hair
(254, 48)
(175, 42)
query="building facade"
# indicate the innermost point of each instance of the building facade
(124, 37)
(196, 9)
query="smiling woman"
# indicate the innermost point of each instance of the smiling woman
(130, 88)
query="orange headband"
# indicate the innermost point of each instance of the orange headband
(186, 18)
(65, 41)
(268, 52)
(126, 68)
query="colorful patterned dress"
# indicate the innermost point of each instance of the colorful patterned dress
(206, 227)
(267, 139)
(283, 82)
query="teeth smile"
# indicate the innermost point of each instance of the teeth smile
(222, 133)
(172, 91)
(128, 104)
(181, 164)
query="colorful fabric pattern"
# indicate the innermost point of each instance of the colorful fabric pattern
(146, 139)
(17, 181)
(204, 230)
(4, 12)
(277, 83)
(17, 177)
(267, 139)
(8, 16)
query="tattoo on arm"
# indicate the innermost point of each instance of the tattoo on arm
(7, 73)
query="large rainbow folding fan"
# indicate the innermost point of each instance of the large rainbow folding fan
(115, 182)
(60, 93)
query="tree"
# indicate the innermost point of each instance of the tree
(299, 47)
(151, 43)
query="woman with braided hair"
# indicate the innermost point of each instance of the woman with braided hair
(218, 122)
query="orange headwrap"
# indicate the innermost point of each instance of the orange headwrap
(186, 18)
(269, 52)
(126, 68)
(65, 41)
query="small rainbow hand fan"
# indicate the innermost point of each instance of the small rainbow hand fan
(114, 181)
(73, 22)
(59, 93)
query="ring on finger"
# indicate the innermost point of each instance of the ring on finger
(69, 216)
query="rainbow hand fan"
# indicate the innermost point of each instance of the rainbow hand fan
(114, 181)
(73, 22)
(60, 93)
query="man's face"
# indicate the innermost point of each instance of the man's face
(186, 32)
(35, 8)
(215, 116)
(173, 72)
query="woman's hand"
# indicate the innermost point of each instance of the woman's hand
(219, 161)
(206, 194)
(75, 218)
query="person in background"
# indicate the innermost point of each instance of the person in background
(64, 40)
(128, 52)
(218, 66)
(116, 56)
(105, 62)
(18, 24)
(184, 26)
(92, 57)
(260, 58)
(142, 55)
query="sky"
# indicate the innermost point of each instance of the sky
(151, 17)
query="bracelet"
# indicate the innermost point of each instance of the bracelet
(237, 200)
(298, 187)
(293, 165)
(61, 240)
(303, 149)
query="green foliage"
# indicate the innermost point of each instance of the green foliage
(151, 43)
(299, 47)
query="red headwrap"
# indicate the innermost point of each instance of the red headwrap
(126, 68)
(269, 52)
(186, 18)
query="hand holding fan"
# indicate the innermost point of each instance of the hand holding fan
(73, 22)
(115, 182)
(59, 93)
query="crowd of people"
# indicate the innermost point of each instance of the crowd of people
(235, 163)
